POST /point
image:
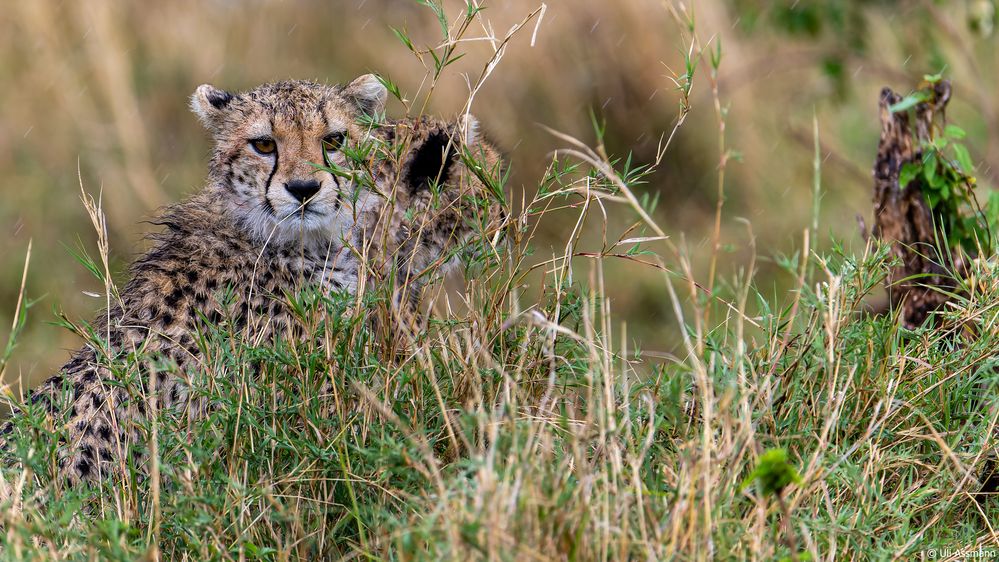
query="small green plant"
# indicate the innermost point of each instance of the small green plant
(519, 422)
(772, 475)
(946, 175)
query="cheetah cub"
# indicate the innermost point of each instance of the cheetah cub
(291, 201)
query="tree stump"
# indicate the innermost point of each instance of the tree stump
(902, 216)
(920, 282)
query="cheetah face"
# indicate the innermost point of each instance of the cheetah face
(270, 145)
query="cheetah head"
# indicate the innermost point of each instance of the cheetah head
(274, 147)
(443, 193)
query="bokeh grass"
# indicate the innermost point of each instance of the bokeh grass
(575, 397)
(100, 89)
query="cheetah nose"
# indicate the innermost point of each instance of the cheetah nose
(302, 189)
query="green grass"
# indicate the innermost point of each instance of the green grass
(522, 422)
(511, 432)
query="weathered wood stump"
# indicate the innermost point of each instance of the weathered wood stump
(901, 213)
(921, 282)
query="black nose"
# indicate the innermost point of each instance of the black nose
(302, 189)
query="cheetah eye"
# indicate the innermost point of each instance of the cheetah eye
(264, 145)
(332, 142)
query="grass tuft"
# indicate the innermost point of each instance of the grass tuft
(520, 421)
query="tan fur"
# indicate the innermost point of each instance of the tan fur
(417, 226)
(246, 233)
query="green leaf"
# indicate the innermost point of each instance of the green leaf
(438, 11)
(716, 55)
(773, 473)
(954, 132)
(402, 36)
(930, 169)
(454, 59)
(992, 209)
(909, 172)
(932, 198)
(909, 101)
(471, 9)
(391, 86)
(437, 62)
(933, 78)
(940, 182)
(86, 261)
(802, 557)
(963, 158)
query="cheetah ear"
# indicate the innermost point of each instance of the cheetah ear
(208, 103)
(367, 93)
(432, 161)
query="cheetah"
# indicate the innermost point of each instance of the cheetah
(291, 201)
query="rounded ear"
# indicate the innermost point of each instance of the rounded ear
(432, 161)
(367, 93)
(208, 103)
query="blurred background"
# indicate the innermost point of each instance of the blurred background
(99, 89)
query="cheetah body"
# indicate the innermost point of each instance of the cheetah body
(233, 251)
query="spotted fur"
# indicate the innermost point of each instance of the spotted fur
(247, 236)
(436, 195)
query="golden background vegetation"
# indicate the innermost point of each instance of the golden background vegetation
(96, 93)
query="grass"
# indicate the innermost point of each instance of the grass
(522, 422)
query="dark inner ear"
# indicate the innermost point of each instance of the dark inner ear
(430, 163)
(366, 106)
(219, 98)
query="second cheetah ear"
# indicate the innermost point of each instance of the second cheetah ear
(208, 103)
(367, 93)
(431, 161)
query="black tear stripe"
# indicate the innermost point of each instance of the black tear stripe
(431, 163)
(336, 195)
(267, 186)
(267, 205)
